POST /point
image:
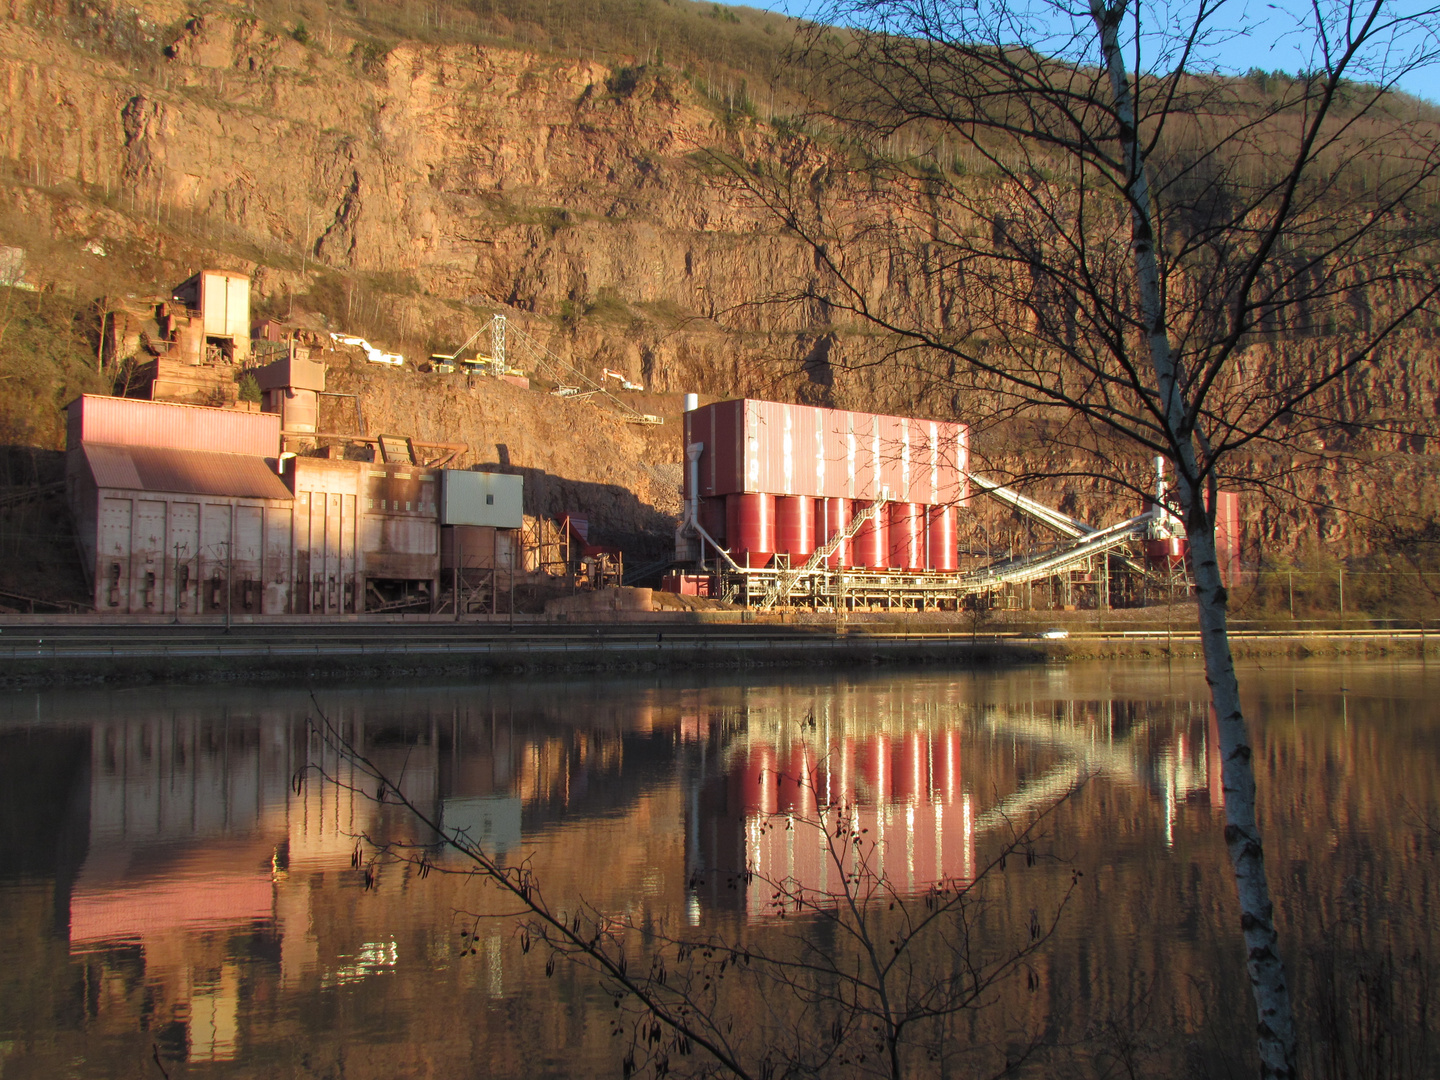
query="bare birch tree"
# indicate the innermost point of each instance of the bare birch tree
(1067, 207)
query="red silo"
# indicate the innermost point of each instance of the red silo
(872, 543)
(750, 528)
(711, 513)
(940, 539)
(906, 523)
(755, 781)
(795, 526)
(832, 516)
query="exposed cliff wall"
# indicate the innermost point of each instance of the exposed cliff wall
(407, 189)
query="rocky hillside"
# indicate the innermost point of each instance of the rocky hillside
(401, 176)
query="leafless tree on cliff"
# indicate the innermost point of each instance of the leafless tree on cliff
(1064, 205)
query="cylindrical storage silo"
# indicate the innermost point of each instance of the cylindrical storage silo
(711, 514)
(795, 526)
(940, 538)
(832, 516)
(872, 542)
(750, 528)
(907, 535)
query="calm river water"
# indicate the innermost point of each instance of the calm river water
(173, 901)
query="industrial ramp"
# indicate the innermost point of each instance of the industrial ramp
(1085, 542)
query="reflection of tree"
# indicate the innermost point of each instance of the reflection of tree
(873, 977)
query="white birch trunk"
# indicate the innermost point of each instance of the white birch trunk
(1276, 1028)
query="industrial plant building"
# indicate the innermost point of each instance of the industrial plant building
(194, 510)
(828, 508)
(190, 501)
(769, 479)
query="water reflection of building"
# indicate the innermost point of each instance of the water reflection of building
(208, 875)
(198, 838)
(892, 765)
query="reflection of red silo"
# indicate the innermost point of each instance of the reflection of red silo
(832, 516)
(758, 781)
(842, 792)
(940, 538)
(795, 526)
(872, 544)
(906, 524)
(947, 767)
(750, 528)
(912, 769)
(711, 513)
(803, 779)
(872, 766)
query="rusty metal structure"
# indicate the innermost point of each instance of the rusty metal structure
(291, 387)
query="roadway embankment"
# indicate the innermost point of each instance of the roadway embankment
(57, 650)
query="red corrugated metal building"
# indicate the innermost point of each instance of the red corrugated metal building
(772, 467)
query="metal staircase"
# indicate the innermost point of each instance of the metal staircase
(782, 583)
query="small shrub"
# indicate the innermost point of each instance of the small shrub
(249, 387)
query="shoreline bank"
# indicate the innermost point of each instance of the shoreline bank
(70, 652)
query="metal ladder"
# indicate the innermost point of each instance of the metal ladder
(782, 583)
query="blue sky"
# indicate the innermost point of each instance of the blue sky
(1254, 34)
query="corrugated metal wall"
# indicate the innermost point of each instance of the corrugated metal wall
(777, 449)
(156, 553)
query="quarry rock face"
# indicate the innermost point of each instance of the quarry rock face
(441, 182)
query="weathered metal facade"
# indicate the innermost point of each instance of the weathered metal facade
(93, 418)
(180, 509)
(290, 388)
(152, 552)
(493, 500)
(222, 300)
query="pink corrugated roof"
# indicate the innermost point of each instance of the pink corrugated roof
(135, 422)
(183, 472)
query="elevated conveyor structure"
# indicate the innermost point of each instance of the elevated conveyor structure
(568, 377)
(883, 493)
(1058, 560)
(814, 582)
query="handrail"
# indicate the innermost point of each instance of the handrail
(783, 581)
